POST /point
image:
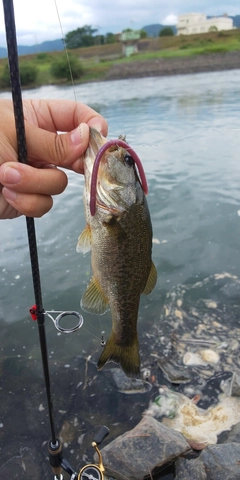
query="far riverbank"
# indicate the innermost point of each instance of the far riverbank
(175, 66)
(197, 56)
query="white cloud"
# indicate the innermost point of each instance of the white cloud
(170, 20)
(37, 21)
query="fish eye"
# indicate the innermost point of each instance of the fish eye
(129, 160)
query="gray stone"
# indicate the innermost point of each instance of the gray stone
(222, 462)
(173, 372)
(129, 385)
(234, 434)
(147, 446)
(235, 385)
(189, 470)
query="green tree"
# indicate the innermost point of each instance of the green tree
(43, 57)
(5, 77)
(28, 74)
(143, 34)
(60, 68)
(166, 31)
(110, 37)
(81, 37)
(213, 28)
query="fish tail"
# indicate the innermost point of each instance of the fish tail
(127, 356)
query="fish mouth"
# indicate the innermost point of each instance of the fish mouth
(96, 141)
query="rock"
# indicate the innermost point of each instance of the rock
(189, 470)
(137, 452)
(234, 434)
(129, 385)
(222, 462)
(174, 373)
(235, 385)
(112, 475)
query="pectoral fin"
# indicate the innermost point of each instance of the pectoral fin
(151, 281)
(84, 241)
(93, 300)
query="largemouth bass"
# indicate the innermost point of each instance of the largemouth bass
(119, 234)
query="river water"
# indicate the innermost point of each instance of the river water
(186, 130)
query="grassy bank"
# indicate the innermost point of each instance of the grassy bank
(97, 61)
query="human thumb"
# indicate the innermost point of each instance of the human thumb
(63, 150)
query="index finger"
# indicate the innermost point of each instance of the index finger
(62, 115)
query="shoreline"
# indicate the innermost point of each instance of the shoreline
(205, 63)
(175, 66)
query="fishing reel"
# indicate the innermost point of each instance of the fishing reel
(92, 471)
(88, 472)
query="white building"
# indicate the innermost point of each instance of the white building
(190, 23)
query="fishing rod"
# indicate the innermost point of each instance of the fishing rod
(57, 462)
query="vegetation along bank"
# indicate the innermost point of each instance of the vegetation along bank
(170, 55)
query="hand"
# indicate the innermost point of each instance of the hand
(27, 189)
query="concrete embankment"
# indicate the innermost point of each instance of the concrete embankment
(175, 66)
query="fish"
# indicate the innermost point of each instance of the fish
(119, 235)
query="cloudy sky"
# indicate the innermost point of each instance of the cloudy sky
(37, 20)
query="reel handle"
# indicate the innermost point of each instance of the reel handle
(101, 435)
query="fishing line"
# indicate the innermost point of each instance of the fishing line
(92, 334)
(101, 339)
(66, 51)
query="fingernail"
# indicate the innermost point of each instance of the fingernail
(9, 194)
(11, 176)
(97, 126)
(81, 132)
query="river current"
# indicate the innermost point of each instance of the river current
(186, 130)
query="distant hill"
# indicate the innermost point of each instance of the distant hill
(236, 21)
(48, 46)
(153, 30)
(3, 52)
